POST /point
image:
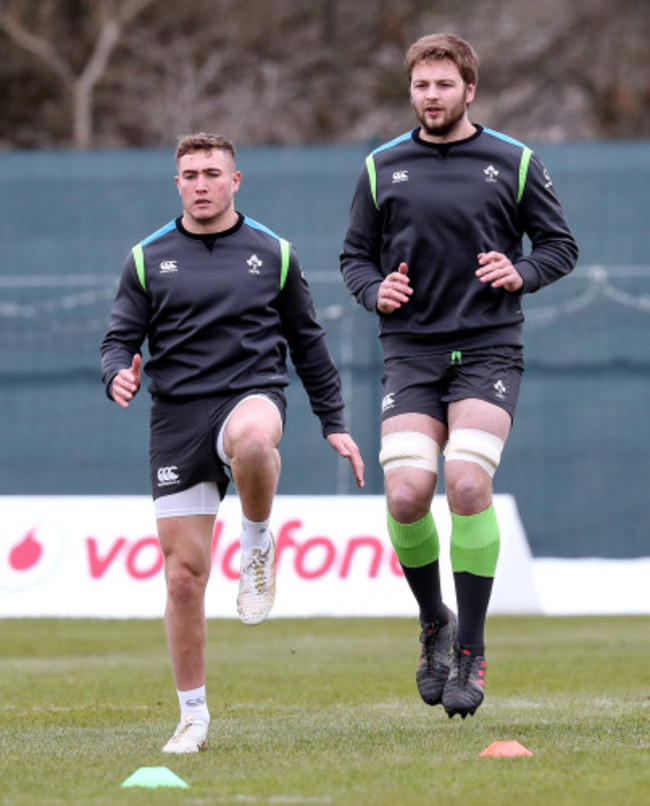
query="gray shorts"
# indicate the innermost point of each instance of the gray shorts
(427, 384)
(183, 445)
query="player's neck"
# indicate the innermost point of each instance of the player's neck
(462, 131)
(210, 226)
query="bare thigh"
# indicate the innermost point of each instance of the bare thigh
(473, 413)
(186, 543)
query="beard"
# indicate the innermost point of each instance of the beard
(445, 126)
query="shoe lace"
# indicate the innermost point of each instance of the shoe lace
(428, 638)
(255, 569)
(182, 729)
(467, 664)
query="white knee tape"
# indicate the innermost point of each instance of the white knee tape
(409, 449)
(475, 445)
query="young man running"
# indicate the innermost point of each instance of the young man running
(220, 299)
(434, 247)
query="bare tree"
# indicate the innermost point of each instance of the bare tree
(300, 71)
(109, 18)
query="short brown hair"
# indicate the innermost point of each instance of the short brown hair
(444, 46)
(203, 141)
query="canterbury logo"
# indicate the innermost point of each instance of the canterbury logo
(167, 475)
(548, 184)
(168, 266)
(388, 402)
(400, 176)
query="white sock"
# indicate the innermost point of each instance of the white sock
(254, 535)
(194, 703)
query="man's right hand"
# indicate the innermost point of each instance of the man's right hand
(394, 291)
(127, 382)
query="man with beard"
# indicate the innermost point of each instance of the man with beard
(434, 247)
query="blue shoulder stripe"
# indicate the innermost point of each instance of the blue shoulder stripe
(158, 233)
(395, 142)
(256, 225)
(501, 136)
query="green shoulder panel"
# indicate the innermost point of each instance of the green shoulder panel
(285, 252)
(138, 257)
(372, 177)
(526, 154)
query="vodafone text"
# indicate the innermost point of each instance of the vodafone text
(312, 557)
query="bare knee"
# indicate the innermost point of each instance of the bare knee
(253, 448)
(407, 497)
(186, 543)
(184, 583)
(469, 489)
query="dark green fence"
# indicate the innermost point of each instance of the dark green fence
(578, 460)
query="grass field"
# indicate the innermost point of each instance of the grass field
(325, 711)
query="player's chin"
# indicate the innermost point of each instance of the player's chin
(203, 211)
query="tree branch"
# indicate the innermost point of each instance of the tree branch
(38, 47)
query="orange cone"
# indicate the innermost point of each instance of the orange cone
(506, 750)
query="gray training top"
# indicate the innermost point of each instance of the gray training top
(219, 313)
(435, 207)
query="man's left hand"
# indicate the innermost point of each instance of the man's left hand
(346, 447)
(495, 268)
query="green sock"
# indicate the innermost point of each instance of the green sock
(475, 543)
(415, 544)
